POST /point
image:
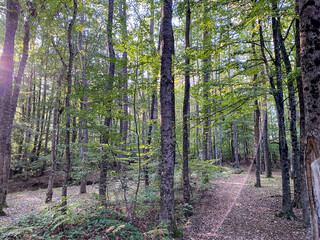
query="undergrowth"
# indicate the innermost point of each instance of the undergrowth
(94, 222)
(53, 224)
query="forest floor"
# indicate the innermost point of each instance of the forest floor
(235, 209)
(230, 208)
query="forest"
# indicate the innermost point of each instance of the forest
(160, 119)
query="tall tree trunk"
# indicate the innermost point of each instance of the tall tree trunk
(124, 75)
(235, 140)
(220, 141)
(283, 148)
(84, 139)
(310, 66)
(44, 116)
(6, 83)
(293, 122)
(215, 144)
(26, 153)
(266, 153)
(68, 118)
(257, 142)
(154, 100)
(197, 130)
(54, 139)
(74, 129)
(38, 121)
(124, 72)
(108, 119)
(206, 91)
(304, 191)
(277, 93)
(167, 213)
(46, 140)
(186, 112)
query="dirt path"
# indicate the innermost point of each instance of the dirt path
(251, 217)
(217, 214)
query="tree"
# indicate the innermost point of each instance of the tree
(167, 213)
(68, 95)
(304, 191)
(277, 92)
(186, 110)
(310, 68)
(108, 119)
(9, 93)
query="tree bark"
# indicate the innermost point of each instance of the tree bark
(304, 191)
(220, 141)
(186, 112)
(293, 122)
(310, 68)
(68, 94)
(84, 136)
(206, 91)
(6, 83)
(54, 139)
(108, 119)
(277, 93)
(283, 148)
(266, 153)
(124, 73)
(26, 153)
(257, 142)
(167, 212)
(37, 120)
(235, 140)
(44, 117)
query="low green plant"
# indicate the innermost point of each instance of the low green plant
(52, 223)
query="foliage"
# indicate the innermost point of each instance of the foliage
(52, 224)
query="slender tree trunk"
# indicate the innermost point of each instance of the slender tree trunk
(44, 117)
(26, 153)
(283, 148)
(153, 107)
(257, 142)
(215, 144)
(304, 191)
(124, 73)
(54, 139)
(108, 119)
(167, 212)
(186, 112)
(206, 91)
(278, 97)
(84, 139)
(68, 118)
(310, 68)
(38, 121)
(266, 153)
(74, 129)
(45, 151)
(197, 130)
(220, 141)
(293, 120)
(235, 140)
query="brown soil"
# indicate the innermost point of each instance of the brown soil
(35, 183)
(23, 203)
(234, 209)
